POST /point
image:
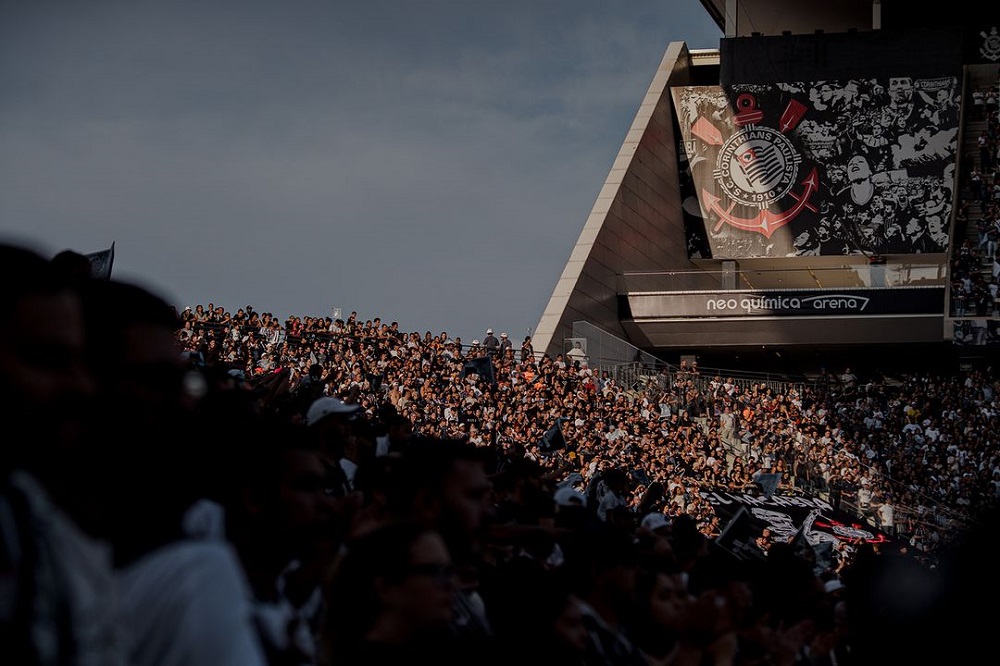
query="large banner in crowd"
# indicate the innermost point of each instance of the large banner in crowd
(831, 167)
(809, 519)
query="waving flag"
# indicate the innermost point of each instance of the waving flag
(101, 262)
(482, 366)
(768, 482)
(553, 439)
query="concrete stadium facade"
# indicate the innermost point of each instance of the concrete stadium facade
(632, 273)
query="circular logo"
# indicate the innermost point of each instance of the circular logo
(757, 166)
(991, 45)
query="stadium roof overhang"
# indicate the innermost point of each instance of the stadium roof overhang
(808, 301)
(668, 332)
(743, 18)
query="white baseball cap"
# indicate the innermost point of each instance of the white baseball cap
(569, 496)
(654, 521)
(327, 406)
(833, 585)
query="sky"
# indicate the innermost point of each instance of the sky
(430, 163)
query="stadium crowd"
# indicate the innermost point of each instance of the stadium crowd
(975, 264)
(868, 442)
(202, 487)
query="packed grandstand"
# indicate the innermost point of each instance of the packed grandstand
(206, 487)
(909, 458)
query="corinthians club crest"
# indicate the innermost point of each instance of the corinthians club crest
(757, 168)
(990, 50)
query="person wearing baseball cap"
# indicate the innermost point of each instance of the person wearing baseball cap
(327, 406)
(330, 420)
(491, 343)
(505, 344)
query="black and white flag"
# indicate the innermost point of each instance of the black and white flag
(101, 262)
(553, 439)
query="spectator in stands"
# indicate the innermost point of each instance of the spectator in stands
(183, 593)
(287, 523)
(428, 390)
(537, 617)
(61, 604)
(979, 104)
(491, 343)
(391, 600)
(766, 540)
(442, 484)
(527, 350)
(603, 562)
(985, 152)
(329, 421)
(577, 355)
(506, 346)
(885, 514)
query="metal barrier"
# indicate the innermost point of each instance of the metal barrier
(635, 369)
(606, 349)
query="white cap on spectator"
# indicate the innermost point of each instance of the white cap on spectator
(655, 521)
(489, 331)
(569, 496)
(833, 585)
(326, 406)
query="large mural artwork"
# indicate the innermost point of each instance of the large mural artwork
(862, 166)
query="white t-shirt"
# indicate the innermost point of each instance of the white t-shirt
(73, 577)
(350, 470)
(885, 515)
(188, 604)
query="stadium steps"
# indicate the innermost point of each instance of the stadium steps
(977, 77)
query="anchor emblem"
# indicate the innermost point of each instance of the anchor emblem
(765, 221)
